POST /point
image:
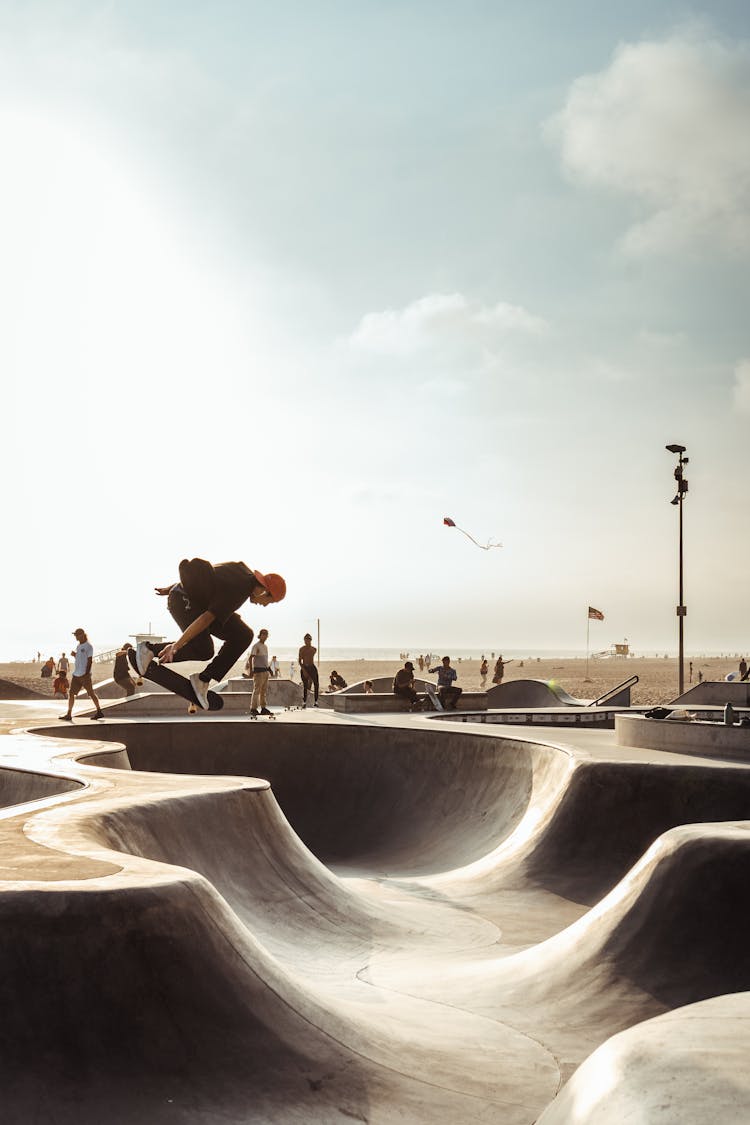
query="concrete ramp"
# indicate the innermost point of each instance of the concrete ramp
(532, 693)
(717, 692)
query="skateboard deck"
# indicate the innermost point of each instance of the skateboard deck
(167, 677)
(433, 696)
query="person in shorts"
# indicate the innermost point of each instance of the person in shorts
(121, 671)
(83, 659)
(261, 672)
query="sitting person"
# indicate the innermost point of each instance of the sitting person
(368, 688)
(61, 686)
(448, 694)
(337, 682)
(48, 668)
(403, 685)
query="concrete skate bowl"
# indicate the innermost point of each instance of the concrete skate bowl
(226, 974)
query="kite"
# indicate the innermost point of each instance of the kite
(482, 546)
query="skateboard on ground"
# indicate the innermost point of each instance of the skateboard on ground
(167, 677)
(433, 697)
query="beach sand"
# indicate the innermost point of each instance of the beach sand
(657, 677)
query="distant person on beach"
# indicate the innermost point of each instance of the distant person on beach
(60, 687)
(204, 604)
(308, 670)
(483, 672)
(63, 664)
(261, 672)
(743, 668)
(690, 679)
(448, 693)
(275, 668)
(420, 662)
(47, 669)
(497, 676)
(121, 672)
(83, 658)
(700, 676)
(336, 682)
(403, 685)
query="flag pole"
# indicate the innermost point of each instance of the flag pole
(588, 629)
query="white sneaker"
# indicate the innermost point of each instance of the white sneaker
(200, 687)
(143, 657)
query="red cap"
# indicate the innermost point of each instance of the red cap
(274, 583)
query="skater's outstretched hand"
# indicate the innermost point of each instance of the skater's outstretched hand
(167, 655)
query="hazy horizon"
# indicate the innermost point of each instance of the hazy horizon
(291, 283)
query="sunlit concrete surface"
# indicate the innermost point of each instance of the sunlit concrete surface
(387, 919)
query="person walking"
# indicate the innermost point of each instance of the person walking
(121, 671)
(308, 670)
(204, 604)
(483, 671)
(63, 664)
(497, 677)
(743, 668)
(83, 658)
(261, 672)
(448, 693)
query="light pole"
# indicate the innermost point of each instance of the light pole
(682, 487)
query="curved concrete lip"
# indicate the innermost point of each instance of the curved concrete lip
(334, 918)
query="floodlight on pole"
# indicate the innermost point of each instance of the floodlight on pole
(682, 487)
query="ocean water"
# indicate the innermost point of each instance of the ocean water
(342, 653)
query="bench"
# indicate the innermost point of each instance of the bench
(383, 703)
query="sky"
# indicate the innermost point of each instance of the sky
(291, 282)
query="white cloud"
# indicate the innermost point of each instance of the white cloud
(437, 321)
(667, 123)
(742, 386)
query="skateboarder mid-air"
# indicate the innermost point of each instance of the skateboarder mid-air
(204, 604)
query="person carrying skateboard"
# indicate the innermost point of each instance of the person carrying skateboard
(204, 604)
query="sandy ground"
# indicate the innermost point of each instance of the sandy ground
(658, 678)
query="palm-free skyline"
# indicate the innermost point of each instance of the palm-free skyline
(290, 283)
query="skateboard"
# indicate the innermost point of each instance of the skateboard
(433, 697)
(165, 676)
(254, 717)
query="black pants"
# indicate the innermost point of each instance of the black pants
(127, 686)
(449, 697)
(236, 635)
(406, 693)
(309, 674)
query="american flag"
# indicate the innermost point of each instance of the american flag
(595, 614)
